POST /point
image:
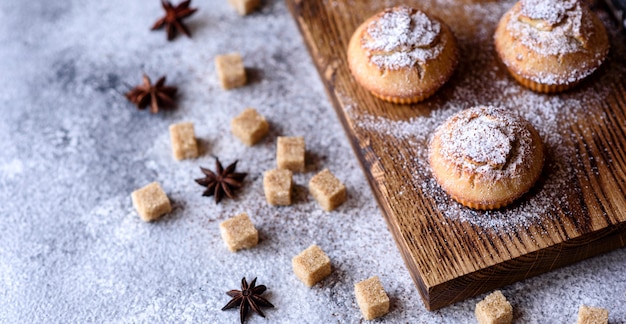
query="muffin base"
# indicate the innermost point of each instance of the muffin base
(492, 202)
(482, 205)
(540, 87)
(405, 101)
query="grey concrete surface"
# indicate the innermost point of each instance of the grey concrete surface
(72, 149)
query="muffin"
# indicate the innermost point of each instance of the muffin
(402, 55)
(551, 45)
(486, 157)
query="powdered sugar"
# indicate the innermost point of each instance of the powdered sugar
(552, 12)
(485, 143)
(402, 37)
(481, 140)
(551, 27)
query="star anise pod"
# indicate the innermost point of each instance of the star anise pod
(222, 181)
(157, 95)
(173, 18)
(249, 297)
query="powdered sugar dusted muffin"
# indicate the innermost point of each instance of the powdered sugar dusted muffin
(402, 54)
(551, 45)
(486, 157)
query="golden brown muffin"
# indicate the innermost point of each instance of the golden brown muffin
(486, 157)
(551, 45)
(402, 55)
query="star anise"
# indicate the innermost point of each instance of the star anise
(157, 95)
(246, 298)
(173, 18)
(222, 181)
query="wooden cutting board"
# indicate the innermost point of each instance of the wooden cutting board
(576, 210)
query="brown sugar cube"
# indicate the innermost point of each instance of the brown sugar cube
(250, 127)
(151, 202)
(239, 233)
(183, 140)
(327, 190)
(230, 70)
(245, 7)
(290, 153)
(372, 298)
(494, 309)
(311, 265)
(592, 315)
(277, 185)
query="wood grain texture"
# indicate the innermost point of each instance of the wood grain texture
(578, 208)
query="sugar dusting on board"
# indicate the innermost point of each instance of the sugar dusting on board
(549, 114)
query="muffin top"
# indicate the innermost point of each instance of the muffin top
(402, 37)
(487, 141)
(551, 27)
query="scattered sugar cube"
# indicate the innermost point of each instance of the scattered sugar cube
(277, 185)
(183, 141)
(151, 202)
(311, 265)
(245, 7)
(372, 298)
(327, 190)
(592, 315)
(250, 127)
(290, 153)
(230, 70)
(239, 233)
(494, 309)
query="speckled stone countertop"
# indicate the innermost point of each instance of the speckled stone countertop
(72, 149)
